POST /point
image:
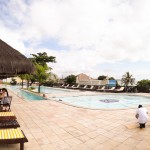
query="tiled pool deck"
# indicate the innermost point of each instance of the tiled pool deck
(50, 125)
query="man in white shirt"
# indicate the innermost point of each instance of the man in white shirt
(142, 116)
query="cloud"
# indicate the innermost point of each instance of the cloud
(95, 32)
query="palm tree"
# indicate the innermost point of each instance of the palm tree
(22, 77)
(127, 79)
(41, 74)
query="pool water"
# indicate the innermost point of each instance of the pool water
(24, 94)
(106, 101)
(100, 101)
(49, 90)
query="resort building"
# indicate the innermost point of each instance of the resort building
(83, 79)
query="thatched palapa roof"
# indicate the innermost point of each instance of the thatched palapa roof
(12, 62)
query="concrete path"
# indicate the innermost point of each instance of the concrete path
(50, 125)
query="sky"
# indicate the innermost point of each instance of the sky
(95, 37)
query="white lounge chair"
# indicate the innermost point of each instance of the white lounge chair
(62, 85)
(71, 87)
(110, 90)
(119, 90)
(83, 88)
(90, 88)
(76, 87)
(101, 89)
(66, 86)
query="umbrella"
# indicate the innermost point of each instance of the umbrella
(12, 62)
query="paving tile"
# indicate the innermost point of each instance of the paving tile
(50, 125)
(73, 141)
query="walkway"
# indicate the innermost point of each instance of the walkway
(50, 125)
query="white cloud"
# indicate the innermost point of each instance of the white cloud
(95, 31)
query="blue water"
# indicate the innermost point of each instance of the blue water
(105, 101)
(49, 90)
(102, 101)
(24, 94)
(31, 96)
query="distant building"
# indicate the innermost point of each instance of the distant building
(83, 79)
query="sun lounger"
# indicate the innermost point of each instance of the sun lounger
(13, 136)
(62, 85)
(90, 88)
(8, 120)
(110, 90)
(76, 87)
(7, 116)
(9, 124)
(71, 87)
(119, 90)
(101, 89)
(66, 86)
(85, 86)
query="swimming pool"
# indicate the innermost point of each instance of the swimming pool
(31, 96)
(47, 90)
(24, 94)
(106, 101)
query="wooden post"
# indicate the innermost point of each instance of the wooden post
(21, 146)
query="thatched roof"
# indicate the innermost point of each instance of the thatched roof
(12, 62)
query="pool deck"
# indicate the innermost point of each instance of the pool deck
(50, 125)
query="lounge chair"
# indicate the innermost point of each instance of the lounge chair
(110, 90)
(7, 116)
(13, 136)
(119, 90)
(76, 87)
(66, 86)
(9, 124)
(83, 87)
(8, 120)
(101, 89)
(62, 85)
(90, 88)
(71, 87)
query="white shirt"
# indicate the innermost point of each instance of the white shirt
(143, 115)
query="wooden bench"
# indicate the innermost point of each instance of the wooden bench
(8, 120)
(7, 116)
(13, 136)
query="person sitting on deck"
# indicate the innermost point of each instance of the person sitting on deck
(4, 100)
(4, 93)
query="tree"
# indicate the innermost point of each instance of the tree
(22, 77)
(127, 79)
(111, 78)
(42, 58)
(41, 74)
(102, 77)
(143, 86)
(32, 79)
(27, 77)
(42, 70)
(71, 79)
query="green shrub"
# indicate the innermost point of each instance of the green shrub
(143, 86)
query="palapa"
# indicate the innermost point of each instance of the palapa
(12, 62)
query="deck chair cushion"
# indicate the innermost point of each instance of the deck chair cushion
(7, 116)
(13, 136)
(6, 134)
(9, 124)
